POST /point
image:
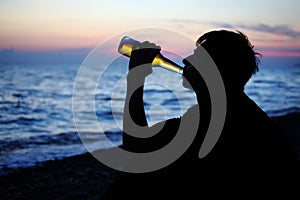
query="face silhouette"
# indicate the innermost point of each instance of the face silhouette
(190, 74)
(186, 75)
(192, 78)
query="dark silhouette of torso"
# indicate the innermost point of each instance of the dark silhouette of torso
(251, 156)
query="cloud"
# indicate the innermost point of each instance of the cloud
(9, 51)
(65, 56)
(282, 29)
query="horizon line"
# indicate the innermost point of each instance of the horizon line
(87, 49)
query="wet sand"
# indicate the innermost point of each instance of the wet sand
(84, 177)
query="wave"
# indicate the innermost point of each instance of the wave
(9, 145)
(285, 111)
(37, 122)
(27, 152)
(68, 138)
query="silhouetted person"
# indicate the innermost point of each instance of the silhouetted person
(251, 155)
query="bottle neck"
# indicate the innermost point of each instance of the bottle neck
(166, 63)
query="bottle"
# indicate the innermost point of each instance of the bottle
(125, 48)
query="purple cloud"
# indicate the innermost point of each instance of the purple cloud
(277, 29)
(280, 29)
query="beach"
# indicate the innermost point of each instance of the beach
(76, 177)
(84, 177)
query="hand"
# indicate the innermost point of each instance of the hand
(142, 56)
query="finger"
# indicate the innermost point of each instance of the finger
(147, 44)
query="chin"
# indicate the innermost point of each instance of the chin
(186, 85)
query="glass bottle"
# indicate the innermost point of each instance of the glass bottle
(125, 48)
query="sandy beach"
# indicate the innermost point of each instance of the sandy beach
(84, 177)
(76, 177)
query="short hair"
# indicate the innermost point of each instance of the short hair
(233, 54)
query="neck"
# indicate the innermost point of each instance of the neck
(204, 102)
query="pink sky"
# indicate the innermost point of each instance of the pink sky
(56, 25)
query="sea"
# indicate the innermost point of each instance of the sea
(37, 106)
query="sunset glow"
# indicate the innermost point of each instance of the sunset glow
(34, 25)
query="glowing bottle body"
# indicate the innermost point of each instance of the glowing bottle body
(125, 48)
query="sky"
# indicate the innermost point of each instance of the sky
(74, 27)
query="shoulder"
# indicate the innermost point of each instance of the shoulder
(248, 108)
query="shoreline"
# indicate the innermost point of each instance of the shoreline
(84, 177)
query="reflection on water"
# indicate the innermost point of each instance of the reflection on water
(36, 119)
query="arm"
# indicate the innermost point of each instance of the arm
(137, 135)
(135, 123)
(134, 113)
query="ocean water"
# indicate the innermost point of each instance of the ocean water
(37, 119)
